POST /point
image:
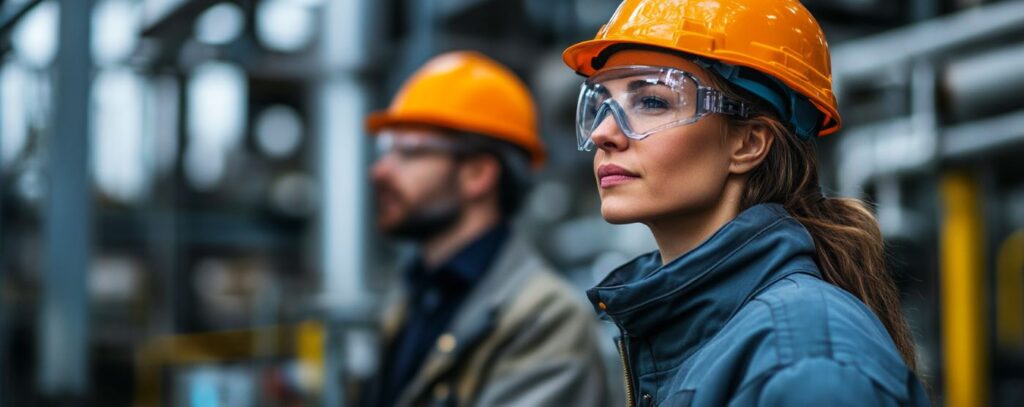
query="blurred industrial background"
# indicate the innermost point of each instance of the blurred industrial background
(184, 200)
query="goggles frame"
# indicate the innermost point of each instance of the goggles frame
(708, 100)
(388, 143)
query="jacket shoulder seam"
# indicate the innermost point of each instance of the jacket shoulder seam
(785, 332)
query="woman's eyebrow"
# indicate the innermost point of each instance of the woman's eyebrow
(640, 84)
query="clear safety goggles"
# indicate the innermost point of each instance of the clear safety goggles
(407, 148)
(645, 100)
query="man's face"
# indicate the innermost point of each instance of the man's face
(415, 183)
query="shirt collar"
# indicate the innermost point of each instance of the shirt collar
(468, 265)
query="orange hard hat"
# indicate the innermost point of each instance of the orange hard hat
(779, 38)
(466, 91)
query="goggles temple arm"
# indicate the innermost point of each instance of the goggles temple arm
(716, 102)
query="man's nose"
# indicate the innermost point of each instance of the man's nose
(381, 168)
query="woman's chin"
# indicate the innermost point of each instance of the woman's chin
(618, 215)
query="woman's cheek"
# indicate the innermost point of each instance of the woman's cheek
(684, 175)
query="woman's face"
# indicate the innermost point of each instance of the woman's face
(675, 172)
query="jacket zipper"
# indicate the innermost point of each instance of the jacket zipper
(627, 374)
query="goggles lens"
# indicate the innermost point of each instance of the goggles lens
(643, 100)
(411, 146)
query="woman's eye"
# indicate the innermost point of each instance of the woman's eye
(652, 103)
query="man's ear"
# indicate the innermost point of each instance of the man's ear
(479, 176)
(749, 145)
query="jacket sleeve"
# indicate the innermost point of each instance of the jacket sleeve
(551, 359)
(822, 382)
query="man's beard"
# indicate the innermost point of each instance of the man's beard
(428, 220)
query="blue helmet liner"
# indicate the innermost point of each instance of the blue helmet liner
(792, 107)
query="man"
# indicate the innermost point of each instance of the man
(483, 320)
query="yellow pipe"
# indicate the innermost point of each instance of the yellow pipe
(1010, 292)
(310, 345)
(962, 287)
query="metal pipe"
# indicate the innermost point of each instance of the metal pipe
(976, 86)
(867, 57)
(983, 137)
(901, 146)
(984, 84)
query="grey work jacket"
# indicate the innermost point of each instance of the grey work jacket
(522, 337)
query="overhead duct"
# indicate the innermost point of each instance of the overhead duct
(866, 58)
(986, 84)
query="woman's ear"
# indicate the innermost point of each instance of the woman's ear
(750, 145)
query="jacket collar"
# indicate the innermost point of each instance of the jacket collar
(701, 290)
(479, 313)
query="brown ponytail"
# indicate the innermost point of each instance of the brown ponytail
(847, 237)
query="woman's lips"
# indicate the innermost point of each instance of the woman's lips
(613, 180)
(610, 175)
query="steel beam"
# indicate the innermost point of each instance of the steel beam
(12, 18)
(3, 277)
(64, 325)
(340, 102)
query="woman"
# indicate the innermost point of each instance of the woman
(763, 291)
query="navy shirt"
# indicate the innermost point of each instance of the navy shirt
(434, 298)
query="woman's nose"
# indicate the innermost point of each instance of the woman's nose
(608, 135)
